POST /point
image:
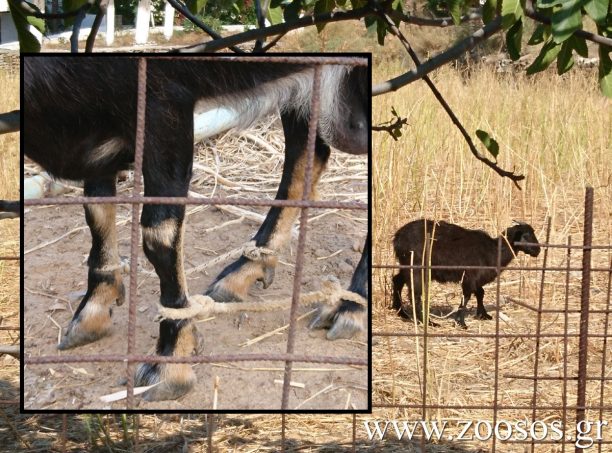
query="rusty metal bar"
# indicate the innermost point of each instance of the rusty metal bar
(461, 407)
(318, 61)
(279, 357)
(299, 264)
(534, 399)
(565, 339)
(514, 268)
(483, 335)
(584, 306)
(557, 378)
(139, 199)
(134, 237)
(605, 346)
(496, 379)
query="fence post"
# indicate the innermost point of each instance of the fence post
(584, 307)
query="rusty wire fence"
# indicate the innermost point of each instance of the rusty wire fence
(549, 370)
(136, 199)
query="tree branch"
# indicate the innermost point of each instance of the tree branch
(261, 23)
(198, 23)
(427, 22)
(304, 21)
(76, 27)
(392, 127)
(91, 39)
(533, 14)
(493, 165)
(9, 122)
(439, 60)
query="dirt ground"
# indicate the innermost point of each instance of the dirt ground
(55, 278)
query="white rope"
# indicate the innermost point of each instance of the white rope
(201, 307)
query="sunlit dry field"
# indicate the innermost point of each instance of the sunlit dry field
(555, 131)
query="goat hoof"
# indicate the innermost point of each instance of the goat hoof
(344, 320)
(221, 293)
(268, 278)
(459, 318)
(484, 316)
(171, 380)
(86, 329)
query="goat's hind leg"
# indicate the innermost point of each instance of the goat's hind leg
(481, 312)
(233, 283)
(347, 318)
(92, 319)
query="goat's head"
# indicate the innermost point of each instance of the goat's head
(348, 128)
(522, 232)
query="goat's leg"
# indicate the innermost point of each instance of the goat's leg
(348, 317)
(481, 312)
(398, 286)
(459, 315)
(233, 283)
(92, 319)
(167, 171)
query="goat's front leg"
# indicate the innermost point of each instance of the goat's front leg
(347, 318)
(233, 283)
(481, 312)
(459, 315)
(167, 172)
(92, 319)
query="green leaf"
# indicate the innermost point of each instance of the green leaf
(489, 11)
(597, 10)
(540, 34)
(514, 39)
(321, 7)
(195, 6)
(456, 8)
(275, 15)
(512, 11)
(565, 60)
(605, 71)
(547, 55)
(579, 45)
(550, 3)
(27, 41)
(566, 20)
(489, 142)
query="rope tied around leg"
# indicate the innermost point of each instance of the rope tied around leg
(201, 307)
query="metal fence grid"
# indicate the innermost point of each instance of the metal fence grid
(589, 368)
(136, 199)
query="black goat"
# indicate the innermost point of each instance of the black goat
(453, 245)
(79, 122)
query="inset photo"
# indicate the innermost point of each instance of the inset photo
(222, 260)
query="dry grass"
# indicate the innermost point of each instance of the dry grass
(9, 246)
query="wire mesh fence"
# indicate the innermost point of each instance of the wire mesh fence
(289, 357)
(528, 381)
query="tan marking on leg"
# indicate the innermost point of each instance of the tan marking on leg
(180, 270)
(103, 216)
(95, 316)
(287, 217)
(106, 151)
(181, 374)
(239, 282)
(164, 233)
